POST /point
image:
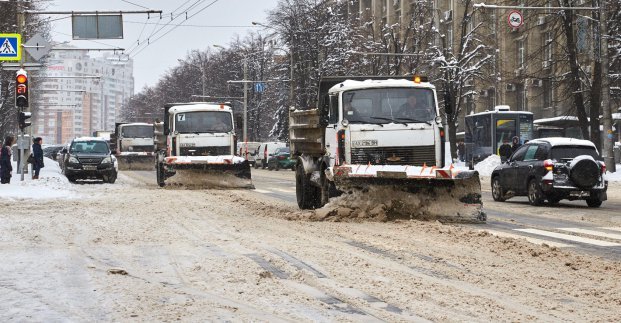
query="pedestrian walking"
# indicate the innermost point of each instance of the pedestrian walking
(37, 153)
(515, 143)
(461, 151)
(505, 150)
(5, 160)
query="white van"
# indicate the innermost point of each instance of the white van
(264, 150)
(251, 150)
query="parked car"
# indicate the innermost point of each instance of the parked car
(552, 169)
(251, 148)
(280, 159)
(263, 152)
(61, 156)
(89, 158)
(51, 151)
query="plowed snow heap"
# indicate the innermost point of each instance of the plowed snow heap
(196, 142)
(373, 135)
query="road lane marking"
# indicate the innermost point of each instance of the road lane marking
(570, 237)
(594, 233)
(262, 191)
(282, 190)
(503, 234)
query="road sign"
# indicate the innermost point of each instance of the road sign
(259, 87)
(515, 19)
(10, 47)
(37, 47)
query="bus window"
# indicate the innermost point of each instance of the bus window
(526, 127)
(505, 130)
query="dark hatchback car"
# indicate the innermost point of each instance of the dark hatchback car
(280, 159)
(89, 158)
(552, 169)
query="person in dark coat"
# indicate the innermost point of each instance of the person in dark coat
(515, 144)
(37, 153)
(505, 150)
(5, 160)
(461, 151)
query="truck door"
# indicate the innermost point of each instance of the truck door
(331, 128)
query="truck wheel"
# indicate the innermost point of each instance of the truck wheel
(594, 202)
(256, 164)
(305, 192)
(160, 175)
(535, 196)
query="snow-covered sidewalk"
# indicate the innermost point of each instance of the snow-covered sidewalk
(51, 185)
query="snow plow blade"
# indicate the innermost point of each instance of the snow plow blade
(412, 192)
(210, 175)
(136, 162)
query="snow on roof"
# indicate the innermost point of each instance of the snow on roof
(561, 118)
(563, 141)
(370, 83)
(500, 112)
(199, 107)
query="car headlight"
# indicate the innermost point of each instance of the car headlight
(73, 160)
(107, 160)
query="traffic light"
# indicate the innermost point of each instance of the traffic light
(21, 89)
(23, 120)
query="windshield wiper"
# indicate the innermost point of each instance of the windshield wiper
(415, 120)
(390, 119)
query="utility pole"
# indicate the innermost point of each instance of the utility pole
(607, 153)
(246, 100)
(22, 167)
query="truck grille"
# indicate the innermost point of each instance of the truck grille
(141, 149)
(205, 151)
(416, 156)
(90, 160)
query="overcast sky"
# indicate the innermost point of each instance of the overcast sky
(154, 60)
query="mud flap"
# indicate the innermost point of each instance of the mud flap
(455, 199)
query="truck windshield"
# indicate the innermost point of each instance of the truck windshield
(389, 105)
(137, 131)
(89, 147)
(203, 121)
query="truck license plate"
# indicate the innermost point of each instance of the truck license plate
(90, 167)
(580, 193)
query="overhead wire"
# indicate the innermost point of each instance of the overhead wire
(155, 29)
(174, 27)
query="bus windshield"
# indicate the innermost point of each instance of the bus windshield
(389, 105)
(203, 121)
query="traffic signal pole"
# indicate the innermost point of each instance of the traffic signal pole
(20, 141)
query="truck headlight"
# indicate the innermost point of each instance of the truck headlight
(107, 160)
(73, 160)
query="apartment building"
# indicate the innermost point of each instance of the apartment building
(81, 94)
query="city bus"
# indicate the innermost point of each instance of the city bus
(486, 131)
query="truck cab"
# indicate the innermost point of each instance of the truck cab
(133, 145)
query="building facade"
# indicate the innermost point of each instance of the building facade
(528, 70)
(81, 94)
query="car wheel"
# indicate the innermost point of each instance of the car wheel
(535, 196)
(264, 165)
(110, 179)
(585, 173)
(497, 192)
(71, 179)
(594, 202)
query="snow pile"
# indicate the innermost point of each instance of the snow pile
(616, 176)
(51, 185)
(487, 166)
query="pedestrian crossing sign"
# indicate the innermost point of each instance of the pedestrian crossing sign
(10, 47)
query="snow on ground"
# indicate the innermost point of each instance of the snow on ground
(51, 185)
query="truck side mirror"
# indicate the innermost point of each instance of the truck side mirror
(448, 109)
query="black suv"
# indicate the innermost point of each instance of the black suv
(89, 158)
(552, 169)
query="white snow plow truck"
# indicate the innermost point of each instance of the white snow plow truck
(133, 146)
(380, 139)
(196, 144)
